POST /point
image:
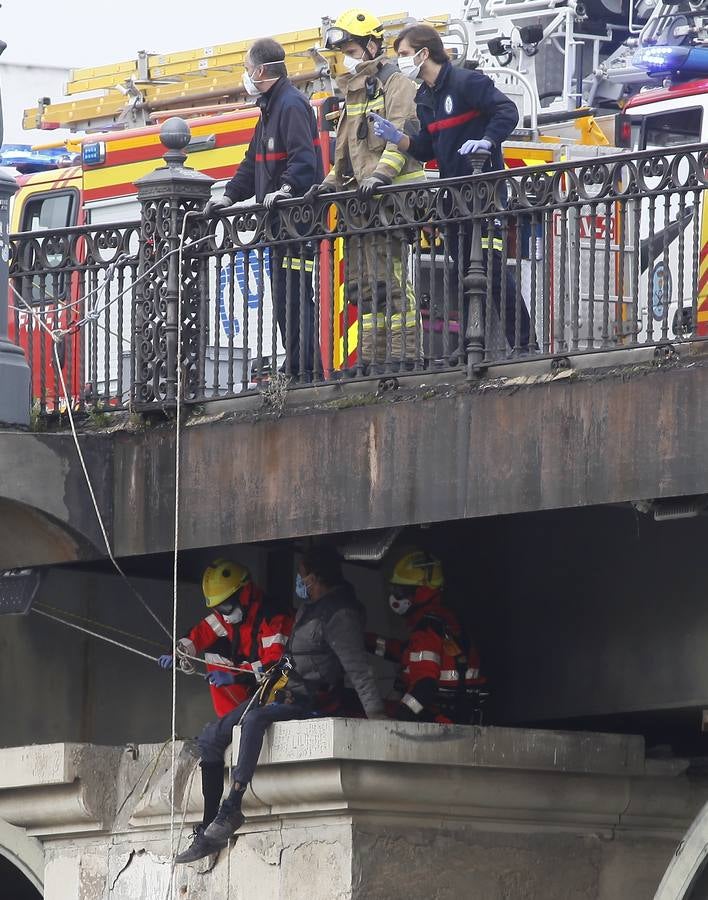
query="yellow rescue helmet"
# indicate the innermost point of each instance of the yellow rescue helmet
(221, 580)
(353, 25)
(418, 569)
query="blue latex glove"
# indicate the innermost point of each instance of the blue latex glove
(480, 146)
(165, 661)
(385, 129)
(221, 679)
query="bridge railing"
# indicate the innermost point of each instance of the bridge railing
(551, 261)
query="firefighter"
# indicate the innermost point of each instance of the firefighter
(283, 160)
(439, 679)
(327, 642)
(460, 112)
(243, 629)
(365, 162)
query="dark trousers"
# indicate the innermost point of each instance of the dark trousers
(292, 299)
(216, 736)
(518, 340)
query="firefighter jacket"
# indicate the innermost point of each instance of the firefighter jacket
(259, 638)
(462, 105)
(326, 644)
(381, 88)
(285, 148)
(438, 668)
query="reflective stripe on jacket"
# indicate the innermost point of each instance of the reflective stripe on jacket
(358, 151)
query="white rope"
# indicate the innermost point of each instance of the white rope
(87, 477)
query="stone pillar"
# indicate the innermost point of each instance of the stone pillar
(166, 195)
(15, 397)
(475, 281)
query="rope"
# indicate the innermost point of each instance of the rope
(71, 615)
(75, 436)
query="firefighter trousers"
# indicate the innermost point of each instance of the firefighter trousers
(378, 280)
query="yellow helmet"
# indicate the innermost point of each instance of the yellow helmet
(418, 569)
(353, 25)
(221, 580)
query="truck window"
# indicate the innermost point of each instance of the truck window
(672, 129)
(44, 211)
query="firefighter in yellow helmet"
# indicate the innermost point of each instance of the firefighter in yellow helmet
(242, 629)
(362, 161)
(439, 679)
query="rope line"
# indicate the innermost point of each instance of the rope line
(87, 477)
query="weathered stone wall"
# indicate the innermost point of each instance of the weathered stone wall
(355, 810)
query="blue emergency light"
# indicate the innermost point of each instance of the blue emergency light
(93, 154)
(26, 160)
(666, 61)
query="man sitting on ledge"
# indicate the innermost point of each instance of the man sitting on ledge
(327, 643)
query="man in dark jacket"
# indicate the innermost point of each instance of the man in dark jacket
(327, 643)
(283, 160)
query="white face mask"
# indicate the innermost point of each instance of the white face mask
(409, 67)
(399, 605)
(235, 616)
(250, 85)
(350, 63)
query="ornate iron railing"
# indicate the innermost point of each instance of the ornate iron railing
(74, 288)
(560, 259)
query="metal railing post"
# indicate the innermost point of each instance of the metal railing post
(14, 371)
(165, 196)
(475, 281)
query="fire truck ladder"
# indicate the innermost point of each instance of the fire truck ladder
(198, 81)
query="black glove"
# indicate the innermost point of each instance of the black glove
(214, 206)
(371, 184)
(317, 190)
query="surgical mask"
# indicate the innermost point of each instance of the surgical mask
(350, 63)
(399, 605)
(235, 616)
(409, 67)
(250, 85)
(301, 591)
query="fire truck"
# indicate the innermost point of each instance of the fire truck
(116, 112)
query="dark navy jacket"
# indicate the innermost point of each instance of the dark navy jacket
(285, 147)
(462, 105)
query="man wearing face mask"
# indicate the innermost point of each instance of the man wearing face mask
(439, 676)
(244, 629)
(327, 642)
(283, 160)
(365, 162)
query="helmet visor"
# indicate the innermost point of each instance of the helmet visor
(335, 37)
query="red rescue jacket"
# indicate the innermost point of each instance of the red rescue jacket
(259, 638)
(438, 667)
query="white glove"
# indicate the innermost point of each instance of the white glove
(284, 192)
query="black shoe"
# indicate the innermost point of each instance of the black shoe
(200, 847)
(228, 820)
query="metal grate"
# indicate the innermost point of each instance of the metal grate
(18, 588)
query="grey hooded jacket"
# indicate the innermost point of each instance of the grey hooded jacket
(327, 641)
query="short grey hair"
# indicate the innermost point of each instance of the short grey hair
(266, 51)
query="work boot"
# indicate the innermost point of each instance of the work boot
(200, 847)
(228, 820)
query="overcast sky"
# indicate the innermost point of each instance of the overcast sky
(96, 32)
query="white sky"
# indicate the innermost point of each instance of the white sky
(98, 32)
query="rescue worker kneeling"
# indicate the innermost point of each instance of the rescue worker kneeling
(376, 263)
(439, 679)
(327, 642)
(243, 630)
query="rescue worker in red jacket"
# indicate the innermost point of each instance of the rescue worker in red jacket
(439, 679)
(243, 629)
